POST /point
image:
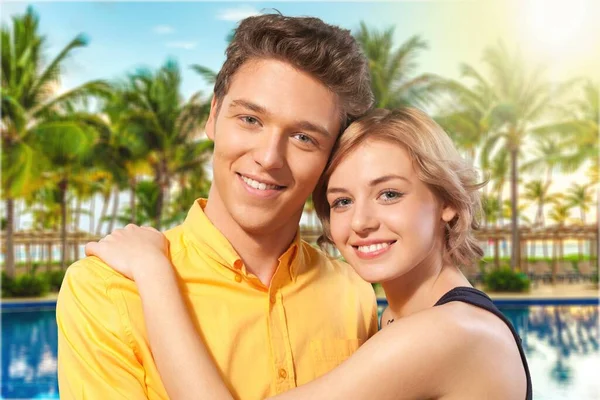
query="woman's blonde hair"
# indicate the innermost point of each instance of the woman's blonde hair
(437, 163)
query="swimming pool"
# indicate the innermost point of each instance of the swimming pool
(561, 344)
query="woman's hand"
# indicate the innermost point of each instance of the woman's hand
(131, 250)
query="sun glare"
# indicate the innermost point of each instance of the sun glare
(556, 26)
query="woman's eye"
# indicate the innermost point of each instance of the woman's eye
(390, 195)
(343, 202)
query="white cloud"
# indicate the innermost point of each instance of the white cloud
(238, 13)
(163, 29)
(182, 45)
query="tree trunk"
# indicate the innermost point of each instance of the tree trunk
(62, 187)
(160, 179)
(106, 200)
(78, 212)
(49, 258)
(554, 258)
(115, 210)
(514, 199)
(9, 260)
(497, 253)
(17, 215)
(92, 213)
(28, 263)
(132, 184)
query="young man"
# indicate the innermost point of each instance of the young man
(287, 89)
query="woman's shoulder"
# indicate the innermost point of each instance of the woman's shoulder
(466, 349)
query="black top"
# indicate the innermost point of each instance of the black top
(478, 298)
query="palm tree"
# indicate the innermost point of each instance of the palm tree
(393, 69)
(560, 213)
(520, 97)
(579, 127)
(580, 196)
(548, 156)
(147, 193)
(537, 192)
(190, 187)
(67, 149)
(124, 149)
(468, 121)
(30, 108)
(498, 170)
(467, 129)
(491, 210)
(165, 122)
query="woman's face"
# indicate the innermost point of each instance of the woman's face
(384, 220)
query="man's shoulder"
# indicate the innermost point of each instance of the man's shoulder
(176, 239)
(91, 269)
(90, 277)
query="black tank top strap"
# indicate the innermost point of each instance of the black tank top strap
(478, 298)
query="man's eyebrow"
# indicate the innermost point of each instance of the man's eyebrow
(309, 126)
(301, 125)
(257, 108)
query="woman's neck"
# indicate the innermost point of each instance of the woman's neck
(422, 286)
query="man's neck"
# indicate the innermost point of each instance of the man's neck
(259, 251)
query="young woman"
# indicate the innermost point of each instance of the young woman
(400, 205)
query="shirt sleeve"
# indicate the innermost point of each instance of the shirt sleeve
(96, 358)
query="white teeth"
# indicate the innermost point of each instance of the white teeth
(373, 248)
(258, 185)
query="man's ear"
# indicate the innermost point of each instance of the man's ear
(209, 127)
(448, 213)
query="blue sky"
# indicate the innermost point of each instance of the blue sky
(125, 36)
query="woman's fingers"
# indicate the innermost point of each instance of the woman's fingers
(91, 248)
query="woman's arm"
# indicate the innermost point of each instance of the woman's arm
(185, 367)
(421, 356)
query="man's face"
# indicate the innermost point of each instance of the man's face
(273, 134)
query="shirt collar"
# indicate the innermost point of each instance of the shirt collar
(202, 231)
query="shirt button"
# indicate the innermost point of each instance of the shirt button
(238, 278)
(282, 373)
(273, 299)
(238, 264)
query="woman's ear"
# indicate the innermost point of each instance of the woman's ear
(448, 213)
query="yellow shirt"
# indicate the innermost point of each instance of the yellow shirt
(265, 340)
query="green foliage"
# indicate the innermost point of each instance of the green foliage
(506, 280)
(531, 260)
(55, 279)
(32, 284)
(26, 285)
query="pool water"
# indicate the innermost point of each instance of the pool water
(29, 351)
(561, 344)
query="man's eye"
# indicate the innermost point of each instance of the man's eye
(249, 120)
(304, 138)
